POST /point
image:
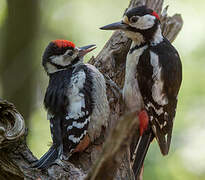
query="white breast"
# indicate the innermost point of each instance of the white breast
(131, 91)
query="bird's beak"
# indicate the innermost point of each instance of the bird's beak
(86, 49)
(117, 25)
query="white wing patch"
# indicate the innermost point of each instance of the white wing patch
(78, 125)
(157, 88)
(76, 99)
(77, 139)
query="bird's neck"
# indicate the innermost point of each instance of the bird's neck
(157, 37)
(136, 37)
(78, 62)
(151, 36)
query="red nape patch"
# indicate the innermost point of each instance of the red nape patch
(63, 43)
(144, 121)
(155, 14)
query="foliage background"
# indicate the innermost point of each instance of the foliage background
(79, 21)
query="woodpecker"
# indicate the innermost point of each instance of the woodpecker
(152, 79)
(75, 100)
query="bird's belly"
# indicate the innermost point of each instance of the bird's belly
(132, 95)
(131, 91)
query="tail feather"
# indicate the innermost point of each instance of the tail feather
(141, 151)
(47, 159)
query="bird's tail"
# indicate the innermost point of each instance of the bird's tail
(47, 159)
(141, 151)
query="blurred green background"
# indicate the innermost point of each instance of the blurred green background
(28, 26)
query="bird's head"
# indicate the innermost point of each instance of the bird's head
(140, 22)
(61, 54)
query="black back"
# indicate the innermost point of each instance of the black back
(56, 100)
(172, 67)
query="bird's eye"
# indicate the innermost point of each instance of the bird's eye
(134, 19)
(70, 53)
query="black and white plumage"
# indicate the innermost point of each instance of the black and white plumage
(152, 81)
(75, 100)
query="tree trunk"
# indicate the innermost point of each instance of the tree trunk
(109, 160)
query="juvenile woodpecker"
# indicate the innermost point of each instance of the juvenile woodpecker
(152, 81)
(75, 100)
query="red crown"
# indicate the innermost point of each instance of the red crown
(155, 14)
(63, 43)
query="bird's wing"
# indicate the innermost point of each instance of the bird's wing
(162, 101)
(159, 77)
(75, 124)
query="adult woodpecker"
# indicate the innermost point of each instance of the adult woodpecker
(75, 100)
(152, 81)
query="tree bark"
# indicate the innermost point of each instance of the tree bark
(109, 160)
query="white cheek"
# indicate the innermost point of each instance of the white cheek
(130, 34)
(145, 22)
(60, 60)
(51, 68)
